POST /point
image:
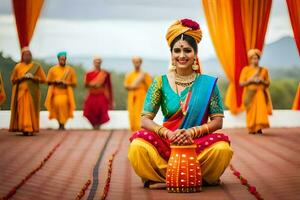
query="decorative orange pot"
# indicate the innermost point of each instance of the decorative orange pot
(183, 171)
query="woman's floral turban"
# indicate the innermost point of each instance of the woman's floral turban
(184, 26)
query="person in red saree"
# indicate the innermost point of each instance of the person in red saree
(192, 109)
(99, 98)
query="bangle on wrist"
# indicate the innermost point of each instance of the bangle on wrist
(199, 131)
(207, 128)
(165, 133)
(156, 129)
(161, 131)
(194, 132)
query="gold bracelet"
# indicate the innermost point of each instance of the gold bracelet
(165, 131)
(159, 130)
(156, 129)
(162, 131)
(199, 131)
(193, 132)
(164, 134)
(207, 128)
(148, 115)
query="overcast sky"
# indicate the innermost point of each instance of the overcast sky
(117, 28)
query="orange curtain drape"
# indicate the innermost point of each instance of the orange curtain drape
(294, 12)
(236, 26)
(296, 104)
(26, 15)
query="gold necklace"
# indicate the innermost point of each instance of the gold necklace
(185, 80)
(184, 104)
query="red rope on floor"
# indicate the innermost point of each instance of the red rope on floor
(109, 171)
(245, 182)
(13, 191)
(83, 190)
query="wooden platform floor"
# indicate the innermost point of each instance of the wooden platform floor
(271, 162)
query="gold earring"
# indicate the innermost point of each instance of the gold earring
(172, 67)
(195, 67)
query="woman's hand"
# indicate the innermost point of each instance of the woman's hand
(170, 134)
(181, 137)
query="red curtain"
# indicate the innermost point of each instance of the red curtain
(241, 59)
(26, 15)
(294, 12)
(236, 26)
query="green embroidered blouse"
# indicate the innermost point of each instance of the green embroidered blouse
(160, 94)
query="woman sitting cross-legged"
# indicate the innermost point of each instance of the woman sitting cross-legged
(192, 109)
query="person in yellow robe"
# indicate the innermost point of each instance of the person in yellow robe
(2, 91)
(60, 100)
(256, 97)
(137, 83)
(25, 100)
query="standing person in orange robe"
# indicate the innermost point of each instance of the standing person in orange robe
(25, 100)
(60, 100)
(256, 97)
(99, 98)
(2, 91)
(137, 83)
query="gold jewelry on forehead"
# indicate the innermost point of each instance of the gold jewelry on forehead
(181, 37)
(181, 40)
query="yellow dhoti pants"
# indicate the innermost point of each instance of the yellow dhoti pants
(149, 165)
(61, 108)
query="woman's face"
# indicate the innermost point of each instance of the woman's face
(254, 60)
(183, 55)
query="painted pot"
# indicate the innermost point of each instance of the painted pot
(183, 171)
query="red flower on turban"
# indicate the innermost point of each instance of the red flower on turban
(190, 23)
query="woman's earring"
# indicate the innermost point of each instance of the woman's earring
(172, 67)
(195, 67)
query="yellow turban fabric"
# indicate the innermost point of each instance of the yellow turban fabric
(253, 52)
(184, 26)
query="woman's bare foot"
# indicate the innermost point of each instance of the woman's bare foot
(216, 183)
(154, 185)
(157, 186)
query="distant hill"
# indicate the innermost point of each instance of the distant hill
(281, 53)
(278, 54)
